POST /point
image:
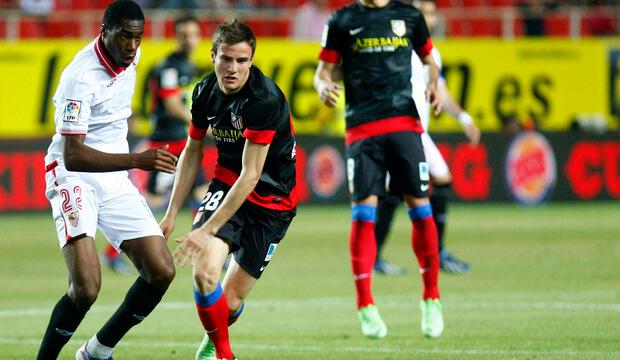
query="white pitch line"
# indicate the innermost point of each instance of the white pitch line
(346, 349)
(335, 303)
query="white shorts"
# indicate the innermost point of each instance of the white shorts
(436, 162)
(79, 208)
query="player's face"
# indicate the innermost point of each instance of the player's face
(123, 41)
(232, 65)
(429, 10)
(188, 36)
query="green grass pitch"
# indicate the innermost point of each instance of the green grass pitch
(545, 284)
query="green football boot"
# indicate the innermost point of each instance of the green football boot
(206, 350)
(432, 318)
(372, 324)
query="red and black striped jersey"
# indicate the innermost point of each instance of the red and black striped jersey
(258, 113)
(375, 47)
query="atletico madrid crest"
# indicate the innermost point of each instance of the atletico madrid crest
(398, 27)
(236, 121)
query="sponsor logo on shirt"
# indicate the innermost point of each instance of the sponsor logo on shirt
(72, 111)
(380, 44)
(226, 135)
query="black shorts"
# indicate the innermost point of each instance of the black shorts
(254, 232)
(401, 154)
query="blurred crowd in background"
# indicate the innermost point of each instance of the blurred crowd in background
(304, 19)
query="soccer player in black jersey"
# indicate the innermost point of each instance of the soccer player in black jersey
(170, 88)
(251, 200)
(373, 42)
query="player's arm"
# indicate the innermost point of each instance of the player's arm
(81, 157)
(187, 170)
(170, 94)
(454, 109)
(176, 108)
(325, 84)
(253, 160)
(432, 95)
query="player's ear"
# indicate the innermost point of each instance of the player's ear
(103, 30)
(213, 56)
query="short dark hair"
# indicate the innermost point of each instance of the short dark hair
(233, 32)
(121, 10)
(184, 20)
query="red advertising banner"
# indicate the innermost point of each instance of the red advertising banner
(529, 168)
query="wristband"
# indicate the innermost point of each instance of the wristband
(465, 119)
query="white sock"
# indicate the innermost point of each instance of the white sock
(95, 349)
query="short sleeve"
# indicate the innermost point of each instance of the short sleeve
(199, 124)
(73, 108)
(331, 47)
(168, 82)
(420, 38)
(260, 120)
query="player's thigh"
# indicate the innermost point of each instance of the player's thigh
(84, 270)
(151, 257)
(227, 239)
(260, 238)
(124, 215)
(438, 167)
(75, 208)
(409, 171)
(366, 168)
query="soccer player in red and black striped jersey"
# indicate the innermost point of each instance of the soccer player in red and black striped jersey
(372, 42)
(251, 200)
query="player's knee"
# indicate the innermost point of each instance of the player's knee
(161, 276)
(84, 295)
(234, 302)
(206, 278)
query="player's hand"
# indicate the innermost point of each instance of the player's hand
(473, 134)
(158, 159)
(167, 226)
(432, 97)
(191, 247)
(329, 93)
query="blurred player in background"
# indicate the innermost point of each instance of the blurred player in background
(374, 41)
(251, 200)
(89, 188)
(441, 178)
(169, 85)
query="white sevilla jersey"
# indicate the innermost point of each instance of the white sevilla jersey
(93, 98)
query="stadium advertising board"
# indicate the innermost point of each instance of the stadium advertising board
(551, 81)
(530, 168)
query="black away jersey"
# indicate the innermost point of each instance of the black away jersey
(173, 75)
(259, 113)
(375, 46)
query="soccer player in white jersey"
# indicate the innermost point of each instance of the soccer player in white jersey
(441, 178)
(88, 186)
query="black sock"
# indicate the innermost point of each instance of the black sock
(385, 215)
(140, 300)
(65, 319)
(439, 204)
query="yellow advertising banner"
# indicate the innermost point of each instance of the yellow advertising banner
(549, 81)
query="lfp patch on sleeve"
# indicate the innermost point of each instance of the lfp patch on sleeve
(72, 111)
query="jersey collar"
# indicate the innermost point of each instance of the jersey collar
(105, 59)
